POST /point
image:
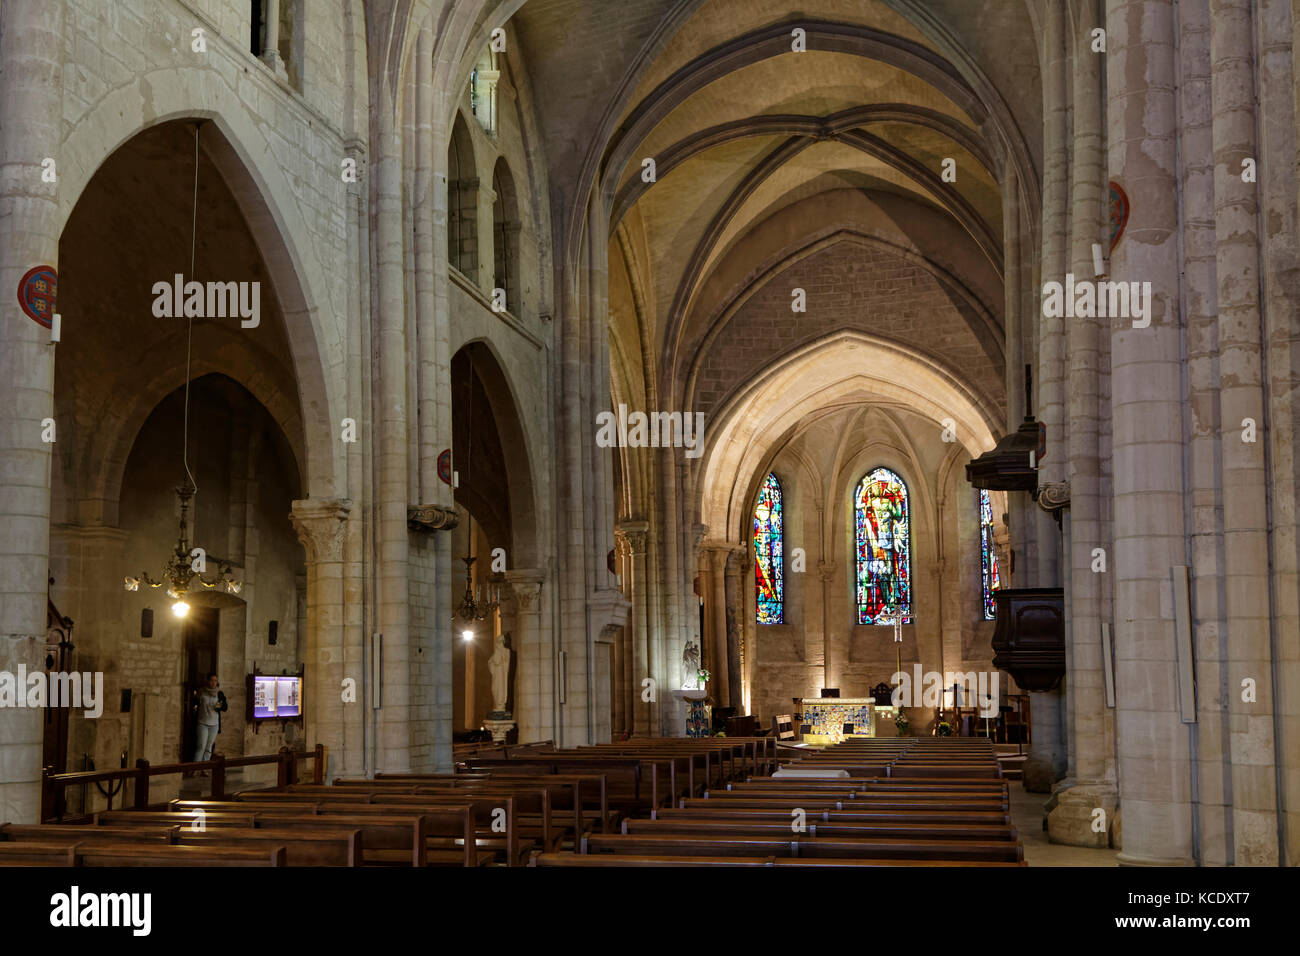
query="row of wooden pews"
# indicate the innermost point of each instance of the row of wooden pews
(641, 775)
(868, 802)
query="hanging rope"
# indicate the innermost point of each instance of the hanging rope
(189, 319)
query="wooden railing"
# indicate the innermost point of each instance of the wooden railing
(54, 804)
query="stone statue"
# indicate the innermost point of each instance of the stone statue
(691, 665)
(499, 665)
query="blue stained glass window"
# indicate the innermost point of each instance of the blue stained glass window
(768, 570)
(882, 529)
(992, 580)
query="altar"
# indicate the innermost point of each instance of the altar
(833, 719)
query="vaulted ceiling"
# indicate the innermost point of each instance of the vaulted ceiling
(774, 166)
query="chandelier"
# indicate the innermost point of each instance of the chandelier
(475, 605)
(187, 568)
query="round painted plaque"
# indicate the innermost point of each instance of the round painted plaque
(444, 466)
(37, 291)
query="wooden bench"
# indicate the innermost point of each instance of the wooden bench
(641, 860)
(783, 815)
(847, 847)
(815, 829)
(390, 835)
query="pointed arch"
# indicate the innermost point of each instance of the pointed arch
(882, 532)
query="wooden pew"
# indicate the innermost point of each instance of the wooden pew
(390, 835)
(157, 854)
(841, 847)
(324, 848)
(37, 854)
(783, 815)
(815, 829)
(631, 860)
(483, 807)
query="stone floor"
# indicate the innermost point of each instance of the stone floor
(1027, 818)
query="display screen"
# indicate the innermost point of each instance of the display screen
(277, 696)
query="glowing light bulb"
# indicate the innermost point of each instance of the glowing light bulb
(468, 635)
(180, 609)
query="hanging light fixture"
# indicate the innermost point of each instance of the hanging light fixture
(186, 565)
(475, 605)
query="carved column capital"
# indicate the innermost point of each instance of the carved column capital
(431, 518)
(633, 535)
(698, 533)
(319, 523)
(526, 586)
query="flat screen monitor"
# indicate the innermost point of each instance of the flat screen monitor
(276, 696)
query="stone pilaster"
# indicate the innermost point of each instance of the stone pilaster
(31, 49)
(321, 525)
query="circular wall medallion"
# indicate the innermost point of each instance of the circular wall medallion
(444, 466)
(37, 291)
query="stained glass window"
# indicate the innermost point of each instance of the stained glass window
(988, 555)
(768, 570)
(884, 540)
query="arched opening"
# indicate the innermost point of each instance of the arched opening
(505, 235)
(122, 368)
(496, 532)
(462, 203)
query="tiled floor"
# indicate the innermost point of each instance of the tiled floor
(1027, 818)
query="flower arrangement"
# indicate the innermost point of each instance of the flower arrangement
(901, 723)
(944, 729)
(703, 676)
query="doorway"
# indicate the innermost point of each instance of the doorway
(200, 659)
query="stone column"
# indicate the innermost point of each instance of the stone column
(31, 95)
(534, 662)
(1046, 760)
(1070, 821)
(320, 523)
(1277, 25)
(271, 45)
(1051, 376)
(830, 675)
(1147, 415)
(721, 674)
(1204, 474)
(636, 534)
(1241, 397)
(735, 609)
(392, 492)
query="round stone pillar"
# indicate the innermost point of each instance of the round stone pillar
(31, 87)
(1147, 411)
(320, 523)
(535, 666)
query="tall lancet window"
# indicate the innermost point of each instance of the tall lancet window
(988, 556)
(883, 533)
(768, 570)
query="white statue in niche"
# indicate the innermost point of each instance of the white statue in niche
(499, 665)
